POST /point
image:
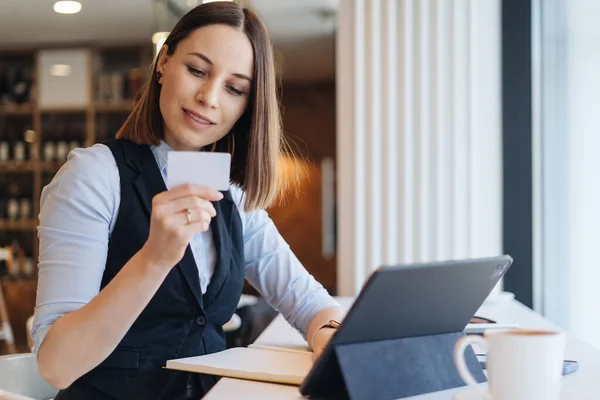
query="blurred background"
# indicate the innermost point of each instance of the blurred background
(431, 130)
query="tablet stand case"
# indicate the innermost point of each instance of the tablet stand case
(398, 368)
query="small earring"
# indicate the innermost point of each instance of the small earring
(159, 76)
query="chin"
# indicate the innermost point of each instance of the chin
(193, 141)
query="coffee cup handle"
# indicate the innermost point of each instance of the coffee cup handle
(459, 357)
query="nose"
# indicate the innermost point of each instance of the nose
(208, 93)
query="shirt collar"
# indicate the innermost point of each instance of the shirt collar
(160, 154)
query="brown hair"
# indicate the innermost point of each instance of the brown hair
(257, 136)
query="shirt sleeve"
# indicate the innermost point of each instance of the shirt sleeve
(77, 213)
(274, 270)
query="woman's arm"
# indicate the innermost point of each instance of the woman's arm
(274, 270)
(80, 340)
(77, 210)
(76, 327)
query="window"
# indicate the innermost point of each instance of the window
(566, 111)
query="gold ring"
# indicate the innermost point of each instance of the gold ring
(189, 216)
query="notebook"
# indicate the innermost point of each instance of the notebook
(266, 364)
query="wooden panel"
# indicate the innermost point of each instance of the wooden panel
(19, 225)
(309, 120)
(299, 222)
(20, 303)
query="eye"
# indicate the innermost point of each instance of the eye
(196, 72)
(235, 91)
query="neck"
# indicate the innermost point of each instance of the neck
(177, 145)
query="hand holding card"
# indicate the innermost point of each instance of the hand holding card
(200, 168)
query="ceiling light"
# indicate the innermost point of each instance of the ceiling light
(60, 70)
(67, 7)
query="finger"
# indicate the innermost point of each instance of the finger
(185, 203)
(174, 222)
(191, 216)
(195, 227)
(187, 190)
(190, 189)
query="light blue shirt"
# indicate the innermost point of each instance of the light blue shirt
(78, 210)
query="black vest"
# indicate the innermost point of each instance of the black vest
(179, 321)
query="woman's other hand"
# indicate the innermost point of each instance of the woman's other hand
(320, 340)
(177, 215)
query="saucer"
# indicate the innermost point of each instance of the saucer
(472, 394)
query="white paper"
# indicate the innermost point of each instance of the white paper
(199, 168)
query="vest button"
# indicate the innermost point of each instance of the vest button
(200, 320)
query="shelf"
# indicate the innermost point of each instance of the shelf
(89, 120)
(64, 110)
(16, 109)
(18, 167)
(30, 166)
(19, 225)
(125, 106)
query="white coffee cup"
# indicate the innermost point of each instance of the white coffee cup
(521, 364)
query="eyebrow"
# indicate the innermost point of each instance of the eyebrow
(203, 57)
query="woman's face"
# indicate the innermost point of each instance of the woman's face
(205, 86)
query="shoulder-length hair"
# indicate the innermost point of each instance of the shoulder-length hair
(257, 137)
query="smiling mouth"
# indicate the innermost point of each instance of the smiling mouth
(198, 118)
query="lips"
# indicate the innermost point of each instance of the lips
(201, 119)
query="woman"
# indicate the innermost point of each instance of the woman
(132, 274)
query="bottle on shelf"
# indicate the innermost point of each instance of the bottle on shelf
(30, 137)
(103, 87)
(12, 209)
(49, 148)
(4, 152)
(49, 151)
(116, 90)
(7, 150)
(21, 85)
(13, 205)
(62, 150)
(19, 151)
(25, 209)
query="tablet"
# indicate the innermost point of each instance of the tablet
(406, 301)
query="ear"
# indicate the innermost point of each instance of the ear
(161, 62)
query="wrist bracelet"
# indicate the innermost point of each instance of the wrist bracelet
(332, 323)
